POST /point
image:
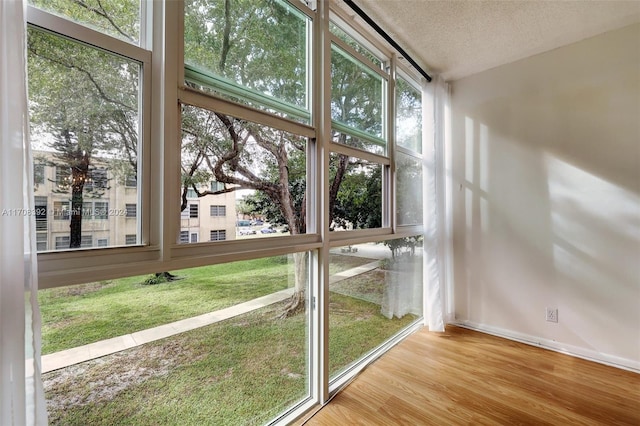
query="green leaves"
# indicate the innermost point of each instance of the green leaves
(259, 44)
(117, 18)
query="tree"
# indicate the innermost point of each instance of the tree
(261, 45)
(85, 100)
(256, 45)
(359, 202)
(244, 155)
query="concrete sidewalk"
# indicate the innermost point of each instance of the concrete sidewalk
(353, 272)
(99, 349)
(88, 352)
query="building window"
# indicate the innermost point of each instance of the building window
(63, 242)
(97, 180)
(40, 205)
(101, 210)
(358, 203)
(218, 235)
(256, 53)
(121, 20)
(218, 211)
(86, 109)
(86, 241)
(184, 237)
(131, 210)
(408, 189)
(61, 210)
(264, 155)
(193, 211)
(41, 241)
(408, 116)
(258, 64)
(357, 107)
(130, 181)
(216, 186)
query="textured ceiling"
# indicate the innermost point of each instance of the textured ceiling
(457, 38)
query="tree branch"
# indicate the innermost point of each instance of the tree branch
(103, 13)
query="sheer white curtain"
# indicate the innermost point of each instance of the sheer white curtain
(21, 394)
(436, 105)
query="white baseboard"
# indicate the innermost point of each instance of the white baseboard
(576, 351)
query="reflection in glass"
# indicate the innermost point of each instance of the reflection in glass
(258, 45)
(338, 32)
(408, 190)
(408, 116)
(375, 291)
(356, 94)
(373, 145)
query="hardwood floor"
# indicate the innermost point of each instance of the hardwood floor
(466, 377)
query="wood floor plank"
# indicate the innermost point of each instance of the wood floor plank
(463, 377)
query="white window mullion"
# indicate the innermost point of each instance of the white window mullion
(212, 103)
(389, 190)
(168, 152)
(322, 122)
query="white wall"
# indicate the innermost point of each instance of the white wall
(546, 198)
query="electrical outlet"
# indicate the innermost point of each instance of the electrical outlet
(552, 315)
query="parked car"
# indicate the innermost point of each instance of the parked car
(267, 231)
(247, 232)
(257, 222)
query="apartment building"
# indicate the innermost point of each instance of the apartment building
(110, 208)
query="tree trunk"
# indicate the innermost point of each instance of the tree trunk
(79, 175)
(75, 227)
(297, 302)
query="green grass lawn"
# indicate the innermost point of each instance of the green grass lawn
(242, 371)
(238, 372)
(81, 314)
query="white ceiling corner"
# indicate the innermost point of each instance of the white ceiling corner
(457, 38)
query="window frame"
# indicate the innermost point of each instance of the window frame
(216, 209)
(154, 245)
(63, 268)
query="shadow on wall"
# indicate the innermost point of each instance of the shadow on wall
(537, 232)
(546, 196)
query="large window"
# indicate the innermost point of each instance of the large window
(274, 150)
(85, 107)
(355, 193)
(356, 101)
(42, 210)
(263, 170)
(408, 116)
(117, 18)
(253, 51)
(233, 364)
(375, 291)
